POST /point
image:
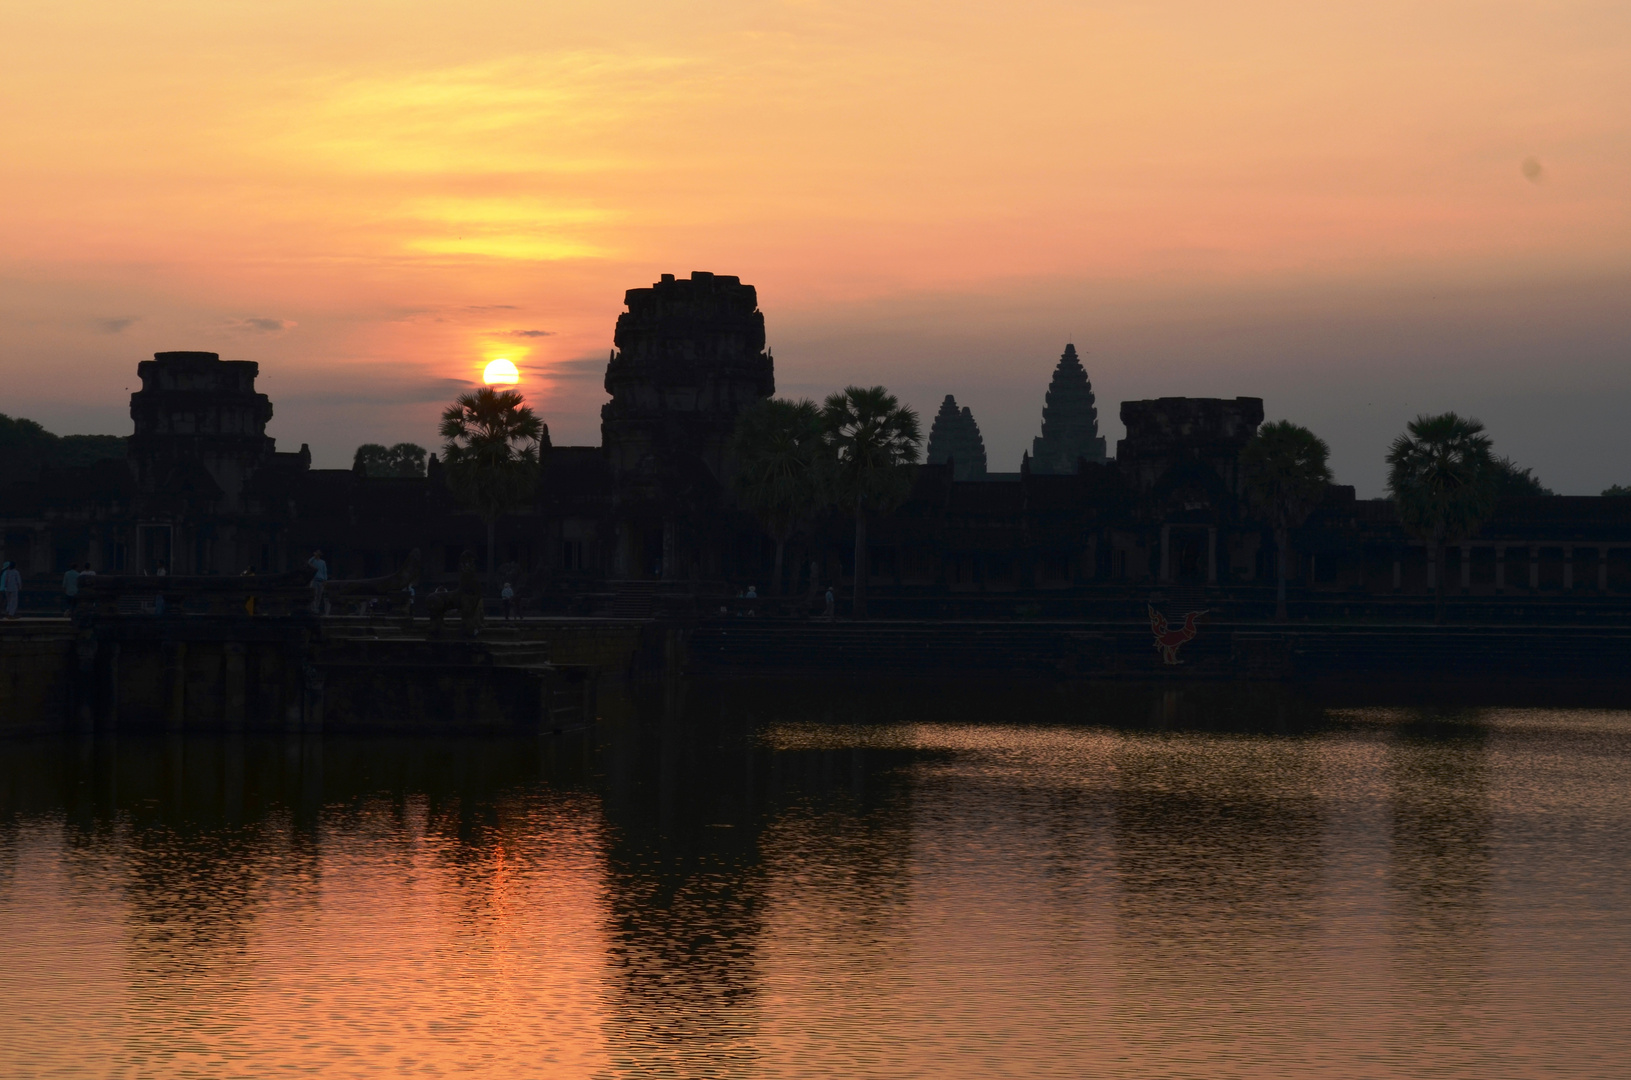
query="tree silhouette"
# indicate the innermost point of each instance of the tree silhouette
(782, 472)
(874, 437)
(492, 453)
(1285, 472)
(403, 459)
(1511, 481)
(1443, 483)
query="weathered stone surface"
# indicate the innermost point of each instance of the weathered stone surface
(1070, 421)
(955, 437)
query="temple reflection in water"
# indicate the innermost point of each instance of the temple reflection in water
(745, 881)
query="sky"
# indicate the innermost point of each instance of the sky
(1356, 211)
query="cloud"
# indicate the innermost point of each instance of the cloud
(492, 307)
(115, 325)
(1533, 170)
(418, 392)
(262, 325)
(529, 333)
(586, 370)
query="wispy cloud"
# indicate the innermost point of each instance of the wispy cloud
(417, 392)
(262, 325)
(589, 369)
(115, 325)
(529, 333)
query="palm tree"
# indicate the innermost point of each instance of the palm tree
(492, 453)
(1285, 472)
(873, 437)
(1443, 484)
(781, 467)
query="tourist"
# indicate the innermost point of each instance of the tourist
(318, 580)
(70, 586)
(828, 612)
(11, 583)
(161, 572)
(507, 595)
(753, 592)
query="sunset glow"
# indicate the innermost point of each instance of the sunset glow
(1338, 207)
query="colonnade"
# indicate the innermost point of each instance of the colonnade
(1501, 547)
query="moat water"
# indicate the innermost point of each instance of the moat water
(914, 885)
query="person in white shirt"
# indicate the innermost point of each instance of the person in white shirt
(70, 585)
(507, 595)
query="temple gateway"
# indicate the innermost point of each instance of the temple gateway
(204, 491)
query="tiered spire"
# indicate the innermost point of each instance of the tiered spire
(955, 437)
(1070, 422)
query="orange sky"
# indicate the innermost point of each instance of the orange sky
(1355, 211)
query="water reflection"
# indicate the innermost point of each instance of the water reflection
(1439, 870)
(762, 881)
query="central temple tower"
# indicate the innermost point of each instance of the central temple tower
(1070, 421)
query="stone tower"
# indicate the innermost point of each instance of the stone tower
(200, 427)
(1070, 422)
(690, 358)
(955, 437)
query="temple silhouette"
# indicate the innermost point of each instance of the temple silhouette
(204, 491)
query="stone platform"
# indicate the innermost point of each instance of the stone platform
(298, 672)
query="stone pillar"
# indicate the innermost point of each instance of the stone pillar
(1212, 555)
(1602, 568)
(669, 556)
(621, 544)
(1398, 569)
(1432, 571)
(1466, 567)
(1534, 568)
(1166, 535)
(1500, 567)
(1568, 569)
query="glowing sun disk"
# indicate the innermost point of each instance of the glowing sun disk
(500, 372)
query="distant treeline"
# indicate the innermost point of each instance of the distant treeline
(26, 449)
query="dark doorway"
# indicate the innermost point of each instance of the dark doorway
(1188, 555)
(153, 541)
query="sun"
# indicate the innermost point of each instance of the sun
(500, 373)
